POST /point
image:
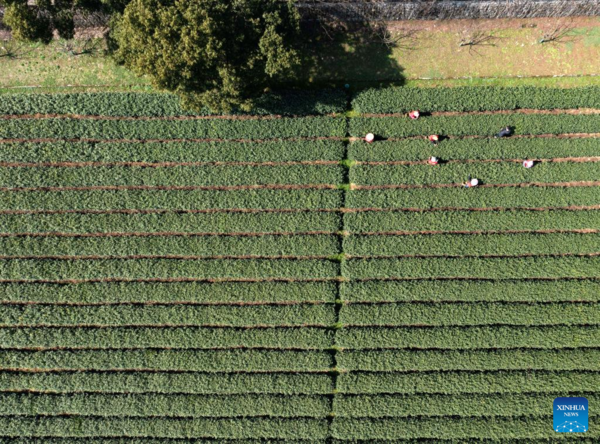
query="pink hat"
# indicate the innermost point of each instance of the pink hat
(414, 114)
(370, 137)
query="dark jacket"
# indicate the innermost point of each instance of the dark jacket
(504, 132)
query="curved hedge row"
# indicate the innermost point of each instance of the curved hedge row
(477, 268)
(482, 244)
(312, 102)
(472, 220)
(186, 382)
(202, 246)
(188, 406)
(210, 175)
(215, 361)
(171, 223)
(475, 125)
(401, 407)
(300, 102)
(469, 98)
(465, 338)
(424, 198)
(267, 151)
(164, 427)
(36, 269)
(262, 198)
(178, 129)
(170, 337)
(473, 360)
(176, 314)
(171, 292)
(508, 291)
(465, 149)
(490, 173)
(408, 314)
(468, 382)
(522, 428)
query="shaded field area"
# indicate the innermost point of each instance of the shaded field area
(166, 277)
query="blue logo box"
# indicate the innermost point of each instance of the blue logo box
(571, 415)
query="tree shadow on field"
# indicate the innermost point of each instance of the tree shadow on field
(336, 55)
(358, 53)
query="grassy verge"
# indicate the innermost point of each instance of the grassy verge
(432, 58)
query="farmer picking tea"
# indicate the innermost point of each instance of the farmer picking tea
(504, 132)
(433, 160)
(471, 183)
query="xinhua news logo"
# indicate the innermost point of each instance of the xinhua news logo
(571, 415)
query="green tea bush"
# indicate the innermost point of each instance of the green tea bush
(474, 125)
(461, 149)
(171, 337)
(502, 220)
(168, 129)
(468, 98)
(226, 151)
(131, 104)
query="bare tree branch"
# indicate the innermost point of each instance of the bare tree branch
(561, 33)
(403, 38)
(476, 39)
(13, 49)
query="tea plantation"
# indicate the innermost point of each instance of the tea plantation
(167, 277)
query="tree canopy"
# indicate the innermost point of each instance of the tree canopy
(26, 23)
(213, 53)
(39, 21)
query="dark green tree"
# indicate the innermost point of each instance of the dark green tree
(38, 22)
(113, 5)
(26, 23)
(213, 53)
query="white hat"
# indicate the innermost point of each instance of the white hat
(528, 163)
(474, 182)
(370, 137)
